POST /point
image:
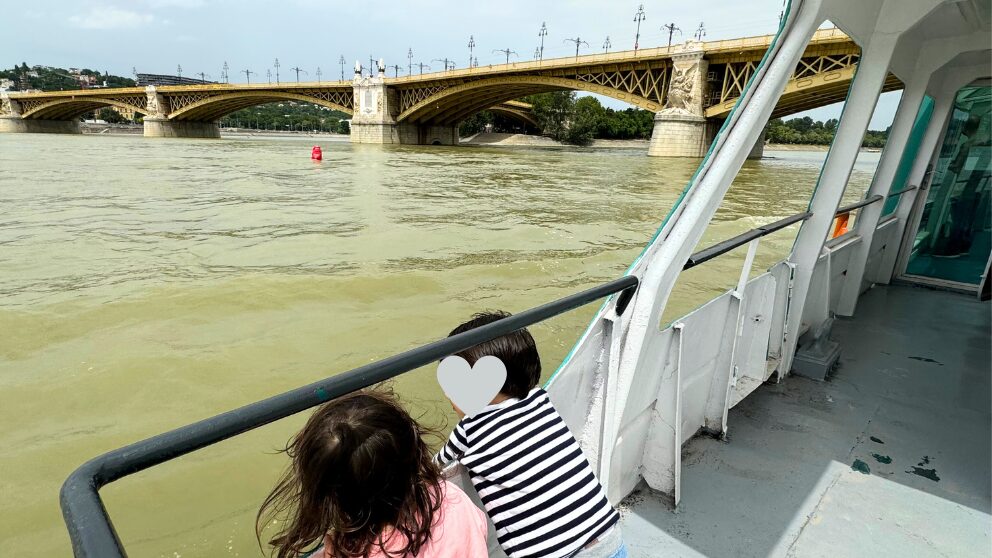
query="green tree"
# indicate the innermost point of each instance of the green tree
(344, 127)
(553, 111)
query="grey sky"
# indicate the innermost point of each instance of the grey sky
(155, 36)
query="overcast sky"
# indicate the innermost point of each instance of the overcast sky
(155, 36)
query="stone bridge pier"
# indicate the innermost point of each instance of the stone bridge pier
(376, 107)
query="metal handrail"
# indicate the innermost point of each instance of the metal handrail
(860, 204)
(92, 532)
(90, 528)
(901, 192)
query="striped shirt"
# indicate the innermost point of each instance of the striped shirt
(535, 483)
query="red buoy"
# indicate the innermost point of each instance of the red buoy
(316, 153)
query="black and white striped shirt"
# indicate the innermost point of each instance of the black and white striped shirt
(532, 477)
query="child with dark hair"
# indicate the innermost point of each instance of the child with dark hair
(362, 483)
(534, 481)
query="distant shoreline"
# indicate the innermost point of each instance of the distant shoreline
(482, 139)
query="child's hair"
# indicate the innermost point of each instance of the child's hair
(517, 350)
(359, 467)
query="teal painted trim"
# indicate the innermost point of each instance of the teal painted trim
(910, 153)
(685, 191)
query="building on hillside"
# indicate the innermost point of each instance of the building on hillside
(158, 79)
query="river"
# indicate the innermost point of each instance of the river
(146, 284)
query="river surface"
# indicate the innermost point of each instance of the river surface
(146, 284)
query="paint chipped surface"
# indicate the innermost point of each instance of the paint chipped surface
(861, 467)
(876, 440)
(927, 360)
(882, 458)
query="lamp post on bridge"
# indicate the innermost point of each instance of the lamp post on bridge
(298, 70)
(542, 34)
(409, 59)
(671, 29)
(224, 73)
(248, 74)
(277, 71)
(607, 45)
(471, 47)
(179, 72)
(341, 61)
(268, 76)
(578, 41)
(422, 66)
(638, 18)
(318, 74)
(537, 53)
(396, 69)
(505, 51)
(700, 32)
(203, 76)
(371, 63)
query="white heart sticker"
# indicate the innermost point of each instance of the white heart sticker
(471, 388)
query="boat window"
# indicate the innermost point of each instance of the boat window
(953, 239)
(901, 179)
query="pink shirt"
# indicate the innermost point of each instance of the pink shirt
(460, 529)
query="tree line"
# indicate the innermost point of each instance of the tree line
(806, 131)
(287, 116)
(57, 79)
(567, 118)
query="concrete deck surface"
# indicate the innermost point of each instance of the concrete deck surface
(891, 456)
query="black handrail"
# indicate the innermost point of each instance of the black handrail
(90, 528)
(860, 204)
(725, 246)
(901, 192)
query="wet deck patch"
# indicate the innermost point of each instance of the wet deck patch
(861, 467)
(876, 440)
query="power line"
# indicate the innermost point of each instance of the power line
(671, 29)
(298, 70)
(505, 51)
(578, 41)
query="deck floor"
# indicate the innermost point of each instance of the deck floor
(890, 456)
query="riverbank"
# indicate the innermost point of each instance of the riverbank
(528, 140)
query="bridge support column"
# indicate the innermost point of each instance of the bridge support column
(18, 125)
(165, 128)
(374, 120)
(680, 129)
(758, 151)
(375, 110)
(11, 121)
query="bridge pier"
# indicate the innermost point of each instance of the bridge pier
(374, 120)
(165, 128)
(18, 125)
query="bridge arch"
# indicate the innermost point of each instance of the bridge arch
(213, 107)
(453, 104)
(71, 108)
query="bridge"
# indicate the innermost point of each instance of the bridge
(691, 88)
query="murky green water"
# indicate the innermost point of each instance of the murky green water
(145, 284)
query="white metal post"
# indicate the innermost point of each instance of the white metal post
(868, 216)
(865, 88)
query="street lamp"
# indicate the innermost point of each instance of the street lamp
(638, 18)
(277, 70)
(224, 73)
(298, 70)
(700, 32)
(409, 58)
(179, 72)
(607, 45)
(268, 75)
(471, 46)
(341, 61)
(542, 34)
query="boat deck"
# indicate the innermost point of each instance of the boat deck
(890, 456)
